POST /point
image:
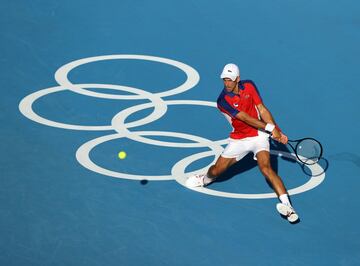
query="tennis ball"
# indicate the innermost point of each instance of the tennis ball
(122, 155)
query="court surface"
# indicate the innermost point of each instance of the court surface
(83, 80)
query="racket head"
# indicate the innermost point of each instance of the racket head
(307, 150)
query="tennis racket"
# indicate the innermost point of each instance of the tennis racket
(307, 150)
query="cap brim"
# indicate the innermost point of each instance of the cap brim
(225, 75)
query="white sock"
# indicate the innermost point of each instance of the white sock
(207, 180)
(284, 198)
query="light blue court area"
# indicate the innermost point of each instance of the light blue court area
(83, 80)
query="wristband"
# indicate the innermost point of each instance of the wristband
(269, 127)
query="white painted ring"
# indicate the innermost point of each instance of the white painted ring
(83, 154)
(25, 107)
(179, 168)
(118, 123)
(61, 76)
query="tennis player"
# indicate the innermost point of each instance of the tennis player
(252, 122)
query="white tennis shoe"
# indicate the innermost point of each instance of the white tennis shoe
(195, 181)
(288, 212)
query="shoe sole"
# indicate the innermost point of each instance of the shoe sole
(293, 218)
(284, 210)
(193, 184)
(189, 185)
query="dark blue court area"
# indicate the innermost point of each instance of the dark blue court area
(83, 80)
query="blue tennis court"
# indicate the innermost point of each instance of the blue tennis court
(85, 80)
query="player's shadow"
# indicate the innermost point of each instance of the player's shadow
(248, 162)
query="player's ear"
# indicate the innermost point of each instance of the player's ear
(237, 79)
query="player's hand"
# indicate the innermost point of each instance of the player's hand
(276, 135)
(283, 139)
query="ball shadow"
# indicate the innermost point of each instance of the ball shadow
(144, 182)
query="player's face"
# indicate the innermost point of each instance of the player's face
(229, 84)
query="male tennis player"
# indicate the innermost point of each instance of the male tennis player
(252, 123)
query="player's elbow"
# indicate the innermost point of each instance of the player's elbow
(242, 116)
(262, 109)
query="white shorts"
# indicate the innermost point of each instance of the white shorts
(239, 148)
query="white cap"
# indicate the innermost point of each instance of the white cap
(230, 71)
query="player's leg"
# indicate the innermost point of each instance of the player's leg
(214, 171)
(233, 152)
(221, 165)
(263, 159)
(284, 208)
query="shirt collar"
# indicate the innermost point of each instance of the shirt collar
(241, 87)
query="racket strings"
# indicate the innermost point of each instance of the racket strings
(308, 151)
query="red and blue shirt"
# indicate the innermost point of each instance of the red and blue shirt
(230, 104)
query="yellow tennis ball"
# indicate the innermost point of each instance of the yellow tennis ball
(122, 155)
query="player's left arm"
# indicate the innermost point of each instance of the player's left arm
(267, 117)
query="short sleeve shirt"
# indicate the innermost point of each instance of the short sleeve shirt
(230, 104)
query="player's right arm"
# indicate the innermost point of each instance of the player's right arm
(251, 121)
(275, 133)
(225, 107)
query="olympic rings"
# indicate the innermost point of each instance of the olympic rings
(159, 106)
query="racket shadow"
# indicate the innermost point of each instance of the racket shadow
(323, 162)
